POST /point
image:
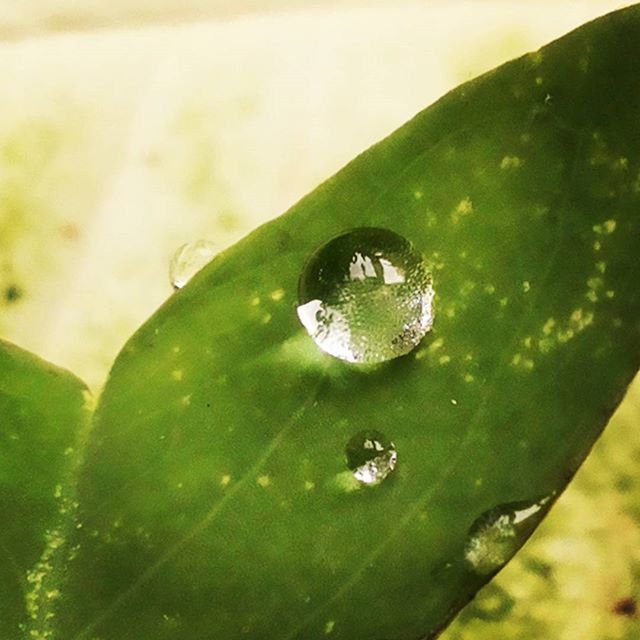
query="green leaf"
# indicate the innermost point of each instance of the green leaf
(44, 415)
(215, 500)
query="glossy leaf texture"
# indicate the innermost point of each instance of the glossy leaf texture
(44, 414)
(215, 500)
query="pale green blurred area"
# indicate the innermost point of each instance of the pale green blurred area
(128, 128)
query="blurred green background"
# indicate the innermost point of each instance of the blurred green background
(129, 127)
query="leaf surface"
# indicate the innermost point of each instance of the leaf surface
(214, 501)
(43, 412)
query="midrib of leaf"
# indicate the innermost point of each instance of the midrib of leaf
(45, 579)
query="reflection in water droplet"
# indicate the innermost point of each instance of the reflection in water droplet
(371, 457)
(188, 260)
(366, 296)
(498, 533)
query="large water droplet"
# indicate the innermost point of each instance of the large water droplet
(366, 296)
(371, 456)
(188, 260)
(498, 533)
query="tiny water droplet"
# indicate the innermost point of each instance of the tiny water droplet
(499, 532)
(366, 296)
(188, 260)
(371, 457)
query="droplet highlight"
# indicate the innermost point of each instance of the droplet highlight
(371, 457)
(499, 532)
(188, 260)
(366, 296)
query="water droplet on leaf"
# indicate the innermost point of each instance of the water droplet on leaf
(499, 532)
(188, 260)
(371, 457)
(366, 296)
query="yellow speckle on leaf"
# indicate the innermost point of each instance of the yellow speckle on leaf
(417, 194)
(468, 377)
(444, 359)
(580, 320)
(276, 295)
(526, 286)
(328, 627)
(266, 318)
(594, 283)
(536, 58)
(548, 326)
(606, 228)
(263, 481)
(255, 301)
(462, 209)
(565, 336)
(308, 485)
(467, 287)
(432, 219)
(610, 293)
(545, 345)
(519, 361)
(490, 289)
(510, 162)
(177, 374)
(225, 480)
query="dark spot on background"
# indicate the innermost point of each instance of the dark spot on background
(13, 293)
(625, 607)
(69, 231)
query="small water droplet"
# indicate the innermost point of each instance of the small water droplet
(188, 260)
(366, 296)
(499, 532)
(371, 457)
